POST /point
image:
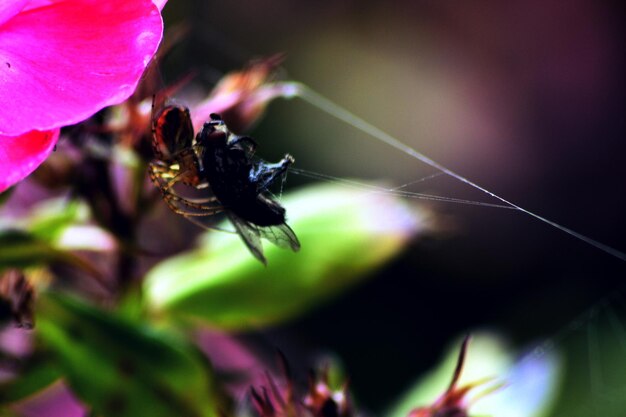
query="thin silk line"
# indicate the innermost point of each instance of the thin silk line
(394, 191)
(426, 178)
(322, 103)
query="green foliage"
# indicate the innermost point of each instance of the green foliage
(21, 249)
(509, 388)
(36, 245)
(486, 357)
(54, 216)
(122, 369)
(344, 237)
(39, 372)
(595, 377)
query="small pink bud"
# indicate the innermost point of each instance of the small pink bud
(240, 97)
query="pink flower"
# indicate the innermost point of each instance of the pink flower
(240, 97)
(62, 61)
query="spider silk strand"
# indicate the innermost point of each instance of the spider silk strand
(397, 191)
(326, 105)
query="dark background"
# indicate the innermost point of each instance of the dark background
(526, 98)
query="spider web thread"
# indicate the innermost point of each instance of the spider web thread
(322, 103)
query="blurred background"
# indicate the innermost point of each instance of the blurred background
(526, 98)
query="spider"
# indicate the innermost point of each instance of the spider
(237, 183)
(176, 158)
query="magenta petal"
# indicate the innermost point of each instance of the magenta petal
(62, 62)
(38, 3)
(20, 155)
(33, 4)
(8, 9)
(160, 3)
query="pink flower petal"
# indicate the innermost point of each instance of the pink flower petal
(8, 9)
(160, 3)
(20, 155)
(63, 62)
(32, 4)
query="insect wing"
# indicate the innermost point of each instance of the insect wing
(250, 234)
(281, 235)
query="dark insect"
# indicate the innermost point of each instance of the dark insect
(237, 183)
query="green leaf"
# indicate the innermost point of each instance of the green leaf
(38, 374)
(21, 249)
(528, 386)
(53, 216)
(33, 241)
(594, 383)
(122, 369)
(345, 235)
(48, 219)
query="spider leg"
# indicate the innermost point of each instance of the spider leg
(182, 206)
(212, 199)
(201, 204)
(156, 101)
(165, 177)
(179, 204)
(197, 222)
(156, 170)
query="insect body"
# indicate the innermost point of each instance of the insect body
(236, 182)
(241, 183)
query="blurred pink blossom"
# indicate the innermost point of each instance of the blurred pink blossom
(61, 62)
(240, 97)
